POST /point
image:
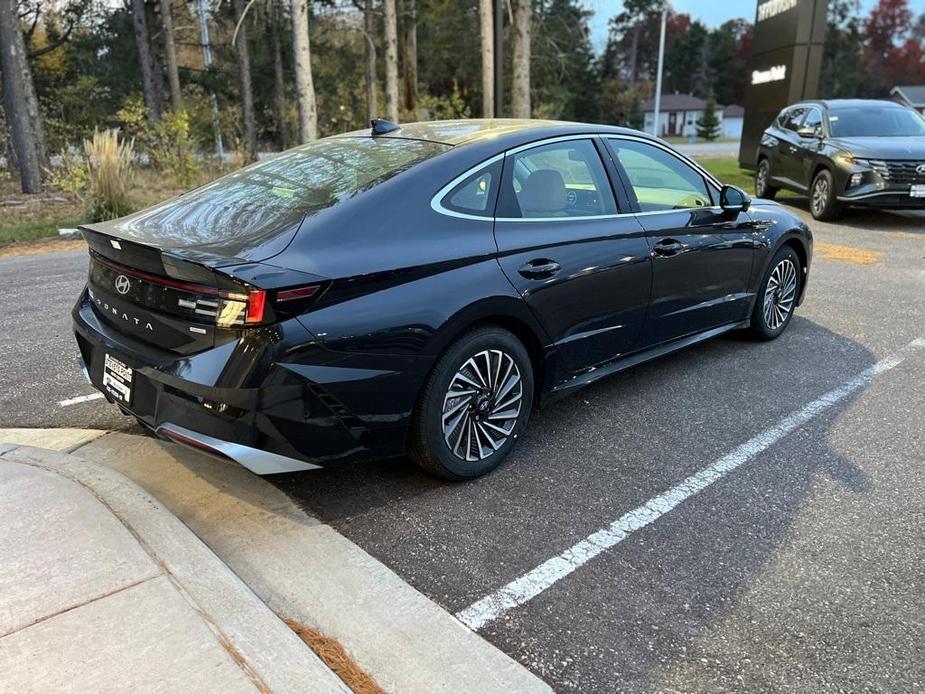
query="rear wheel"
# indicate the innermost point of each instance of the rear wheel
(822, 201)
(777, 295)
(474, 406)
(763, 187)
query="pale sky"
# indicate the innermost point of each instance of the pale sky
(711, 12)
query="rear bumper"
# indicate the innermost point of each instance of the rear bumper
(257, 461)
(271, 400)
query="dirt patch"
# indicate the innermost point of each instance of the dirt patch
(846, 254)
(41, 246)
(336, 658)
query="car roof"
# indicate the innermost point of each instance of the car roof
(504, 131)
(834, 103)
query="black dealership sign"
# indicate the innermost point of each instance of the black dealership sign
(787, 51)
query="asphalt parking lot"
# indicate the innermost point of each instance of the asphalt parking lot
(762, 504)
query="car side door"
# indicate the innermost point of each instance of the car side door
(582, 267)
(702, 256)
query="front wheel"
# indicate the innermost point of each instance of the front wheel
(777, 295)
(475, 405)
(822, 200)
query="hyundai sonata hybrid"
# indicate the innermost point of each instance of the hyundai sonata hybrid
(845, 152)
(420, 289)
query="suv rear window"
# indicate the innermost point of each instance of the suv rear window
(254, 204)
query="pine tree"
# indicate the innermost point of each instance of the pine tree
(708, 125)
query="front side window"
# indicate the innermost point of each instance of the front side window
(813, 120)
(562, 179)
(660, 180)
(791, 119)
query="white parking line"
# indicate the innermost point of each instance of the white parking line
(537, 580)
(80, 399)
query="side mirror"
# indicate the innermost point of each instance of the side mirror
(810, 132)
(733, 199)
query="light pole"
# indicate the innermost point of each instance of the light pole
(661, 65)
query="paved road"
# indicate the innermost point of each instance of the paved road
(709, 149)
(798, 568)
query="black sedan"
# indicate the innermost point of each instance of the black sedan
(845, 152)
(419, 290)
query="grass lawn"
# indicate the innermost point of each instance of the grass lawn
(683, 139)
(727, 170)
(34, 230)
(27, 218)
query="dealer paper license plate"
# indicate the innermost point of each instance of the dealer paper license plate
(117, 380)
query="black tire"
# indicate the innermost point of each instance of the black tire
(823, 203)
(769, 321)
(481, 411)
(763, 189)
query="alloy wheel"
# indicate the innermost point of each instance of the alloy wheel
(761, 181)
(482, 404)
(780, 294)
(820, 195)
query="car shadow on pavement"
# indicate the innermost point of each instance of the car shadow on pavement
(863, 219)
(589, 459)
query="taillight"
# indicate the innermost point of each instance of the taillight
(256, 303)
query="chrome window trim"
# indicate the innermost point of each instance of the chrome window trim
(437, 200)
(589, 217)
(712, 208)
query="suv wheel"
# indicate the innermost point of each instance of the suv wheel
(822, 202)
(474, 406)
(763, 188)
(777, 297)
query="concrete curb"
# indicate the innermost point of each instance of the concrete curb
(306, 571)
(53, 439)
(275, 658)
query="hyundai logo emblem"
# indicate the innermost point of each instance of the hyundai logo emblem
(123, 284)
(920, 169)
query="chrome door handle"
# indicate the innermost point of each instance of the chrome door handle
(668, 247)
(539, 268)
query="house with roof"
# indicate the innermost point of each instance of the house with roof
(679, 114)
(912, 96)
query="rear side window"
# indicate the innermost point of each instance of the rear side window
(477, 193)
(562, 179)
(259, 201)
(661, 181)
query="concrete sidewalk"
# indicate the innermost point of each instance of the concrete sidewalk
(296, 566)
(102, 589)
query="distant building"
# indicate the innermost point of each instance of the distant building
(679, 114)
(733, 116)
(911, 95)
